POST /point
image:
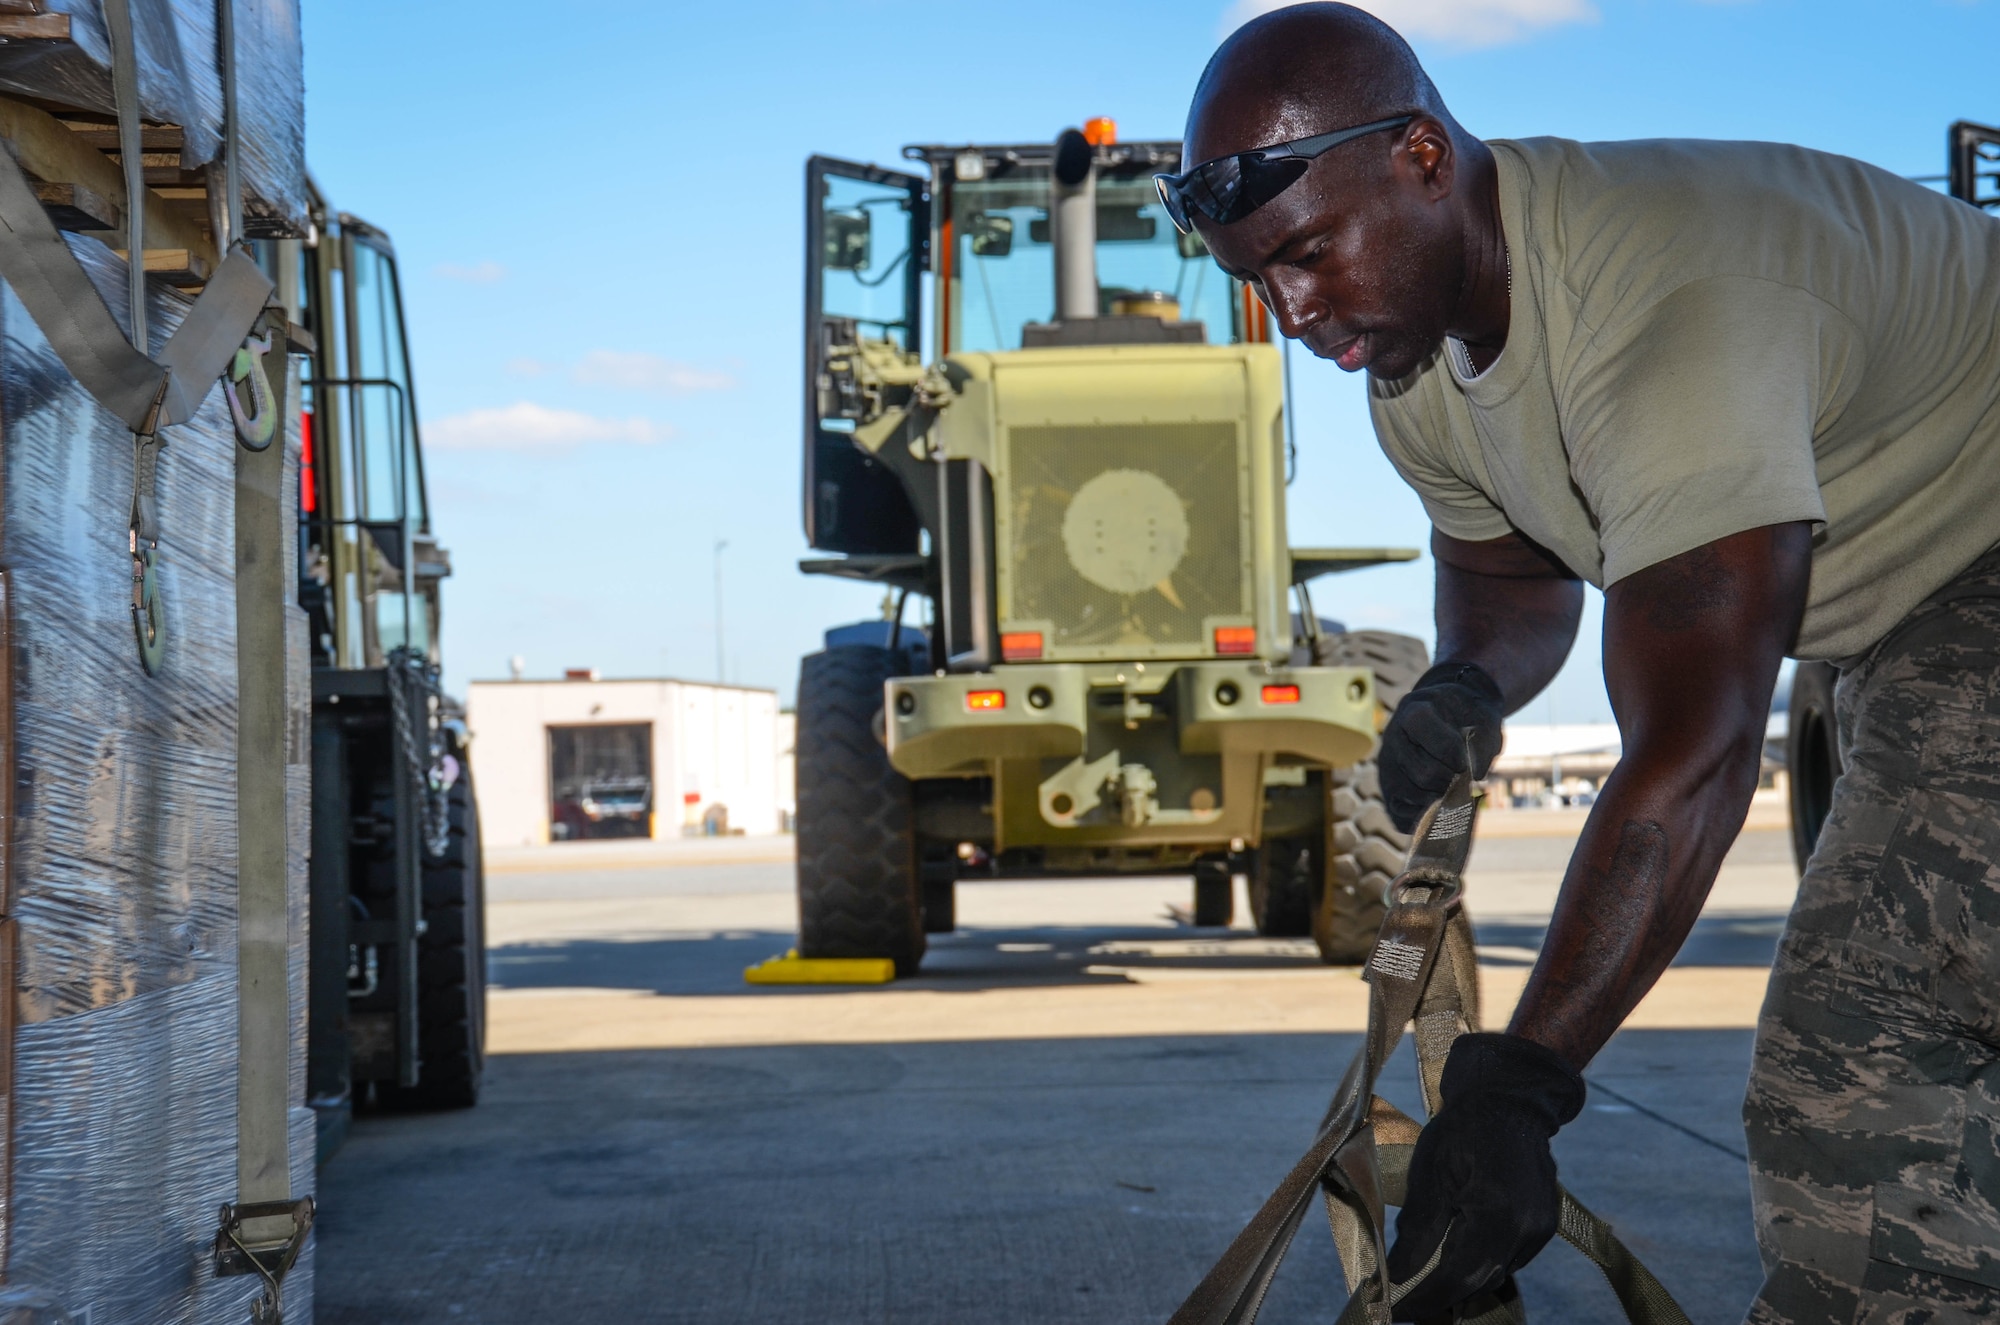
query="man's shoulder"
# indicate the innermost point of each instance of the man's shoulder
(1704, 190)
(1621, 225)
(1644, 161)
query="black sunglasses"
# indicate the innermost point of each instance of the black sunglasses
(1231, 187)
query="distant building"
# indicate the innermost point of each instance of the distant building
(1566, 763)
(587, 758)
(1542, 763)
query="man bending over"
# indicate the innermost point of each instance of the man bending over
(1753, 392)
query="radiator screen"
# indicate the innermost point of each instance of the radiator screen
(1125, 537)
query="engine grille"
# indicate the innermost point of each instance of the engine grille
(1123, 539)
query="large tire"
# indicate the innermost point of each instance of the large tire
(1812, 755)
(1364, 850)
(860, 892)
(1286, 877)
(451, 966)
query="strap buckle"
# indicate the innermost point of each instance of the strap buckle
(270, 1260)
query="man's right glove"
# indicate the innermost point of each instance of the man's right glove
(1423, 747)
(1482, 1198)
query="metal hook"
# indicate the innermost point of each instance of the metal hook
(149, 614)
(255, 430)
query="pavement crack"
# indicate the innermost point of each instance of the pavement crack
(1659, 1117)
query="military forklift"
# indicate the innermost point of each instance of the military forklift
(1812, 738)
(396, 986)
(1033, 405)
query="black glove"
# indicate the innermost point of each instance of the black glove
(1423, 747)
(1482, 1179)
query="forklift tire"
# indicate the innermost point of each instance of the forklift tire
(1214, 893)
(860, 893)
(1285, 882)
(1812, 755)
(1366, 850)
(451, 967)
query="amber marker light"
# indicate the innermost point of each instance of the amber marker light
(1236, 639)
(985, 701)
(1281, 694)
(1100, 131)
(1021, 645)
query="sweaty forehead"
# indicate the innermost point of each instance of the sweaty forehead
(1229, 119)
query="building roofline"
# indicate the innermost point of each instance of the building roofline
(620, 680)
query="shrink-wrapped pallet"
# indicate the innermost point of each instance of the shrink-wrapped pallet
(120, 855)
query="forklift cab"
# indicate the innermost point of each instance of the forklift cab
(961, 258)
(369, 564)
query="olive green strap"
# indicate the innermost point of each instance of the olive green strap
(1645, 1299)
(264, 527)
(1422, 973)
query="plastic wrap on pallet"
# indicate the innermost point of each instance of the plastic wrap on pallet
(271, 99)
(180, 83)
(122, 877)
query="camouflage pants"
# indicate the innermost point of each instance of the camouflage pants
(1873, 1113)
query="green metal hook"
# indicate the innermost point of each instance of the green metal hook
(149, 613)
(256, 428)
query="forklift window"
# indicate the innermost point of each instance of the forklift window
(865, 231)
(387, 433)
(1003, 269)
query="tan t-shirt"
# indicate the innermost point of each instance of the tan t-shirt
(1708, 337)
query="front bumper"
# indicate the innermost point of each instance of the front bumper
(935, 730)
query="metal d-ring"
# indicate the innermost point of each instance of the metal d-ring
(149, 614)
(1443, 888)
(256, 429)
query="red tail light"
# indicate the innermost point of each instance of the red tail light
(1236, 639)
(985, 701)
(308, 492)
(1281, 694)
(1021, 645)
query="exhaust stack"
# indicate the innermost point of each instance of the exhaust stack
(1073, 226)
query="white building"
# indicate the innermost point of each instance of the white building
(583, 757)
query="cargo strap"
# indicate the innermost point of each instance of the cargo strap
(146, 394)
(1422, 974)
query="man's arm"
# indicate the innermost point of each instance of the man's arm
(1691, 647)
(1506, 617)
(1691, 653)
(1507, 606)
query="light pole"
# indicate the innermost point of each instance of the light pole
(720, 544)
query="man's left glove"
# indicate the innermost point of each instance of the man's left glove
(1482, 1180)
(1425, 744)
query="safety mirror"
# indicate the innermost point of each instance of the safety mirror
(847, 236)
(991, 234)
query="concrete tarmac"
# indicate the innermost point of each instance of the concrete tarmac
(1065, 1117)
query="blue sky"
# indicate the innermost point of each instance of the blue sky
(598, 213)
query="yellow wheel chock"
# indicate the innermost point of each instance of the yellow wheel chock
(792, 969)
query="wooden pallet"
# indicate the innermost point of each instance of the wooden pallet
(72, 158)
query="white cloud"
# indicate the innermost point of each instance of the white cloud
(525, 426)
(1463, 23)
(635, 370)
(482, 273)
